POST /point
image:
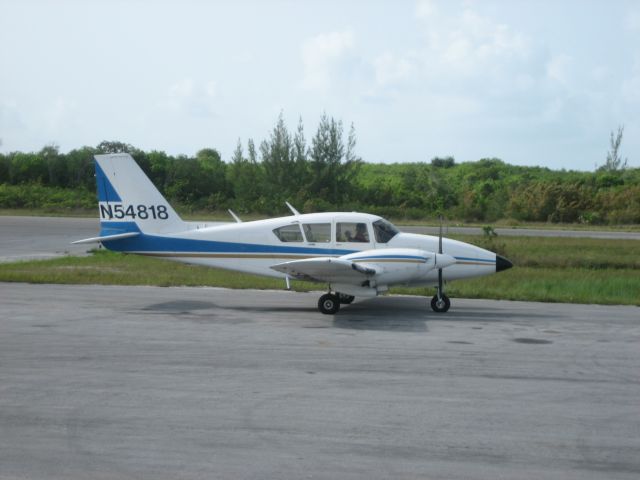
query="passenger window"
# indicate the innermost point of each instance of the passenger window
(317, 232)
(289, 233)
(352, 232)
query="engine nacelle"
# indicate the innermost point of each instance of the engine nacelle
(399, 265)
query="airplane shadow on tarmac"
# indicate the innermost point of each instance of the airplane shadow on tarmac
(401, 314)
(413, 314)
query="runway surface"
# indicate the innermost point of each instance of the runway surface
(153, 383)
(32, 238)
(26, 238)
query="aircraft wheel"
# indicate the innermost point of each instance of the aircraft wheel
(345, 299)
(440, 306)
(329, 304)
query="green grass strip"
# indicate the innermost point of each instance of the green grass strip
(576, 285)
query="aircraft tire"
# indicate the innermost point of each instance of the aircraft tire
(440, 307)
(345, 299)
(329, 304)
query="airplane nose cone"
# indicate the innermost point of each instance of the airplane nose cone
(502, 264)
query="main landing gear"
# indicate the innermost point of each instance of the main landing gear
(329, 303)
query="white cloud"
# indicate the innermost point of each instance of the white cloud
(471, 42)
(631, 85)
(558, 69)
(425, 8)
(462, 54)
(12, 125)
(321, 55)
(10, 117)
(191, 97)
(632, 21)
(391, 69)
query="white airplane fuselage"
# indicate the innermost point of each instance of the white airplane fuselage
(252, 247)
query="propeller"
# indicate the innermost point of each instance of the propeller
(440, 269)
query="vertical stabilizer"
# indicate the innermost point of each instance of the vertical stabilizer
(128, 201)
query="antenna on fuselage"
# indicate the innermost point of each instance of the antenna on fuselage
(235, 217)
(295, 212)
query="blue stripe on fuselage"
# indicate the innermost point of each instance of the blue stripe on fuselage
(467, 259)
(382, 256)
(156, 244)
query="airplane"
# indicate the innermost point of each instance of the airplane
(355, 254)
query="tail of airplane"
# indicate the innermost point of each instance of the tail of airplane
(129, 204)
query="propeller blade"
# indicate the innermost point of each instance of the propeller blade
(440, 291)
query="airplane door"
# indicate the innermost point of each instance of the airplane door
(353, 235)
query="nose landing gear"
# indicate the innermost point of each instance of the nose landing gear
(440, 303)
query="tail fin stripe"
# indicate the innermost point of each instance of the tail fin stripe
(106, 192)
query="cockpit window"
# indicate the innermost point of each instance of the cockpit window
(289, 233)
(352, 232)
(317, 232)
(384, 231)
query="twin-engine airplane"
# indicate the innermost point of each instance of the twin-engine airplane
(356, 254)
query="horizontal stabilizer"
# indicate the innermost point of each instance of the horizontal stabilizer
(106, 238)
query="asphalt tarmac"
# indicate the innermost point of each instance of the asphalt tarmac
(33, 238)
(162, 383)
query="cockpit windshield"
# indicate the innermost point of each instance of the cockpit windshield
(384, 230)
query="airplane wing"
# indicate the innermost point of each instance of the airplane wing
(326, 270)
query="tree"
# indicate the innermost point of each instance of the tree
(332, 170)
(614, 162)
(161, 167)
(27, 168)
(278, 164)
(56, 166)
(80, 168)
(4, 168)
(213, 172)
(443, 162)
(116, 147)
(300, 174)
(350, 155)
(251, 149)
(244, 176)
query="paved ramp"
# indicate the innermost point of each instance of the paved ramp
(148, 383)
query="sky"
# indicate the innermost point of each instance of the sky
(529, 82)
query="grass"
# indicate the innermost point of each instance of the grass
(111, 268)
(562, 252)
(547, 269)
(572, 285)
